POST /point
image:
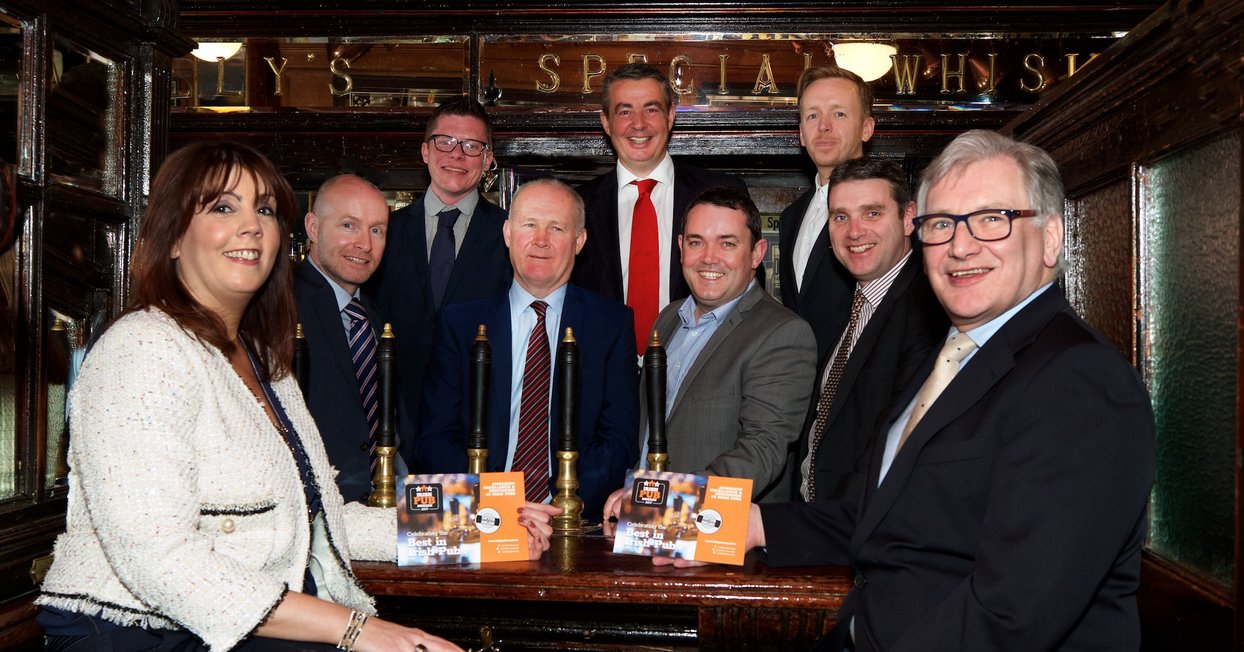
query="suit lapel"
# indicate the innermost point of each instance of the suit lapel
(723, 331)
(497, 320)
(868, 338)
(818, 256)
(472, 246)
(684, 191)
(797, 211)
(606, 232)
(572, 317)
(328, 317)
(986, 368)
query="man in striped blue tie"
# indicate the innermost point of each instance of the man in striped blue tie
(346, 230)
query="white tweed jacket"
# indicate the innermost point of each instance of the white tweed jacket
(186, 509)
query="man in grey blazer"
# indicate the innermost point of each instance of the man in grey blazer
(740, 367)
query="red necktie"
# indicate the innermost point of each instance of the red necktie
(643, 289)
(531, 453)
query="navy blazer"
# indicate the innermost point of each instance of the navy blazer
(332, 393)
(608, 392)
(1014, 516)
(824, 301)
(906, 328)
(403, 292)
(598, 267)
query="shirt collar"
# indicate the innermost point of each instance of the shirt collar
(663, 173)
(686, 312)
(875, 290)
(433, 204)
(339, 293)
(985, 331)
(520, 299)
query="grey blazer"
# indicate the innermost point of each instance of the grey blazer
(741, 405)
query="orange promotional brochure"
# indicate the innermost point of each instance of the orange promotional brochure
(684, 516)
(460, 518)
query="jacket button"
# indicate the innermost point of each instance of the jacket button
(363, 446)
(227, 526)
(860, 581)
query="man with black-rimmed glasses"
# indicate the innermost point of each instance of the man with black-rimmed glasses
(450, 222)
(1004, 506)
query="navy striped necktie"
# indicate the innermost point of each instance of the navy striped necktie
(362, 340)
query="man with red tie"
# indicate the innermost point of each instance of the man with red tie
(524, 326)
(634, 211)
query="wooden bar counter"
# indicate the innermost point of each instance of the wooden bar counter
(581, 596)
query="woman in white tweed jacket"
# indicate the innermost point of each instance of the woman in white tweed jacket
(202, 507)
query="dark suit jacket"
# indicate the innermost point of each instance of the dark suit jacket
(907, 326)
(1013, 518)
(404, 296)
(824, 301)
(608, 392)
(739, 407)
(332, 390)
(598, 267)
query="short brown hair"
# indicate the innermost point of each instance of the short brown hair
(465, 107)
(817, 73)
(190, 179)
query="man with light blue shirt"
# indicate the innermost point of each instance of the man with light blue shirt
(347, 228)
(1004, 506)
(524, 325)
(739, 366)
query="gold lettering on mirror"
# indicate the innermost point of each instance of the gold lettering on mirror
(676, 78)
(958, 73)
(332, 67)
(637, 57)
(905, 73)
(1035, 69)
(543, 62)
(276, 88)
(764, 78)
(989, 81)
(1071, 62)
(589, 72)
(721, 84)
(807, 60)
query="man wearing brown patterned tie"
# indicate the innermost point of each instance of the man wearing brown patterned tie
(524, 326)
(895, 323)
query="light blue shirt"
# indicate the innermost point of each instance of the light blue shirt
(522, 321)
(684, 349)
(979, 335)
(343, 297)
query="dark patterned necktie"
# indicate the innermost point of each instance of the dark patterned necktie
(830, 389)
(441, 258)
(531, 453)
(362, 342)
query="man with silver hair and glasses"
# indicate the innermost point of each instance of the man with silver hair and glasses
(1004, 506)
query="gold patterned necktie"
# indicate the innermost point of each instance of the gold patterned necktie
(958, 347)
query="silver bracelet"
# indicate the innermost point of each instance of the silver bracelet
(357, 620)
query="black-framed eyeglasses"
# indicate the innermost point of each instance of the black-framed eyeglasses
(447, 144)
(986, 225)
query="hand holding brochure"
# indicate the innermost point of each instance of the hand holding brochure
(684, 516)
